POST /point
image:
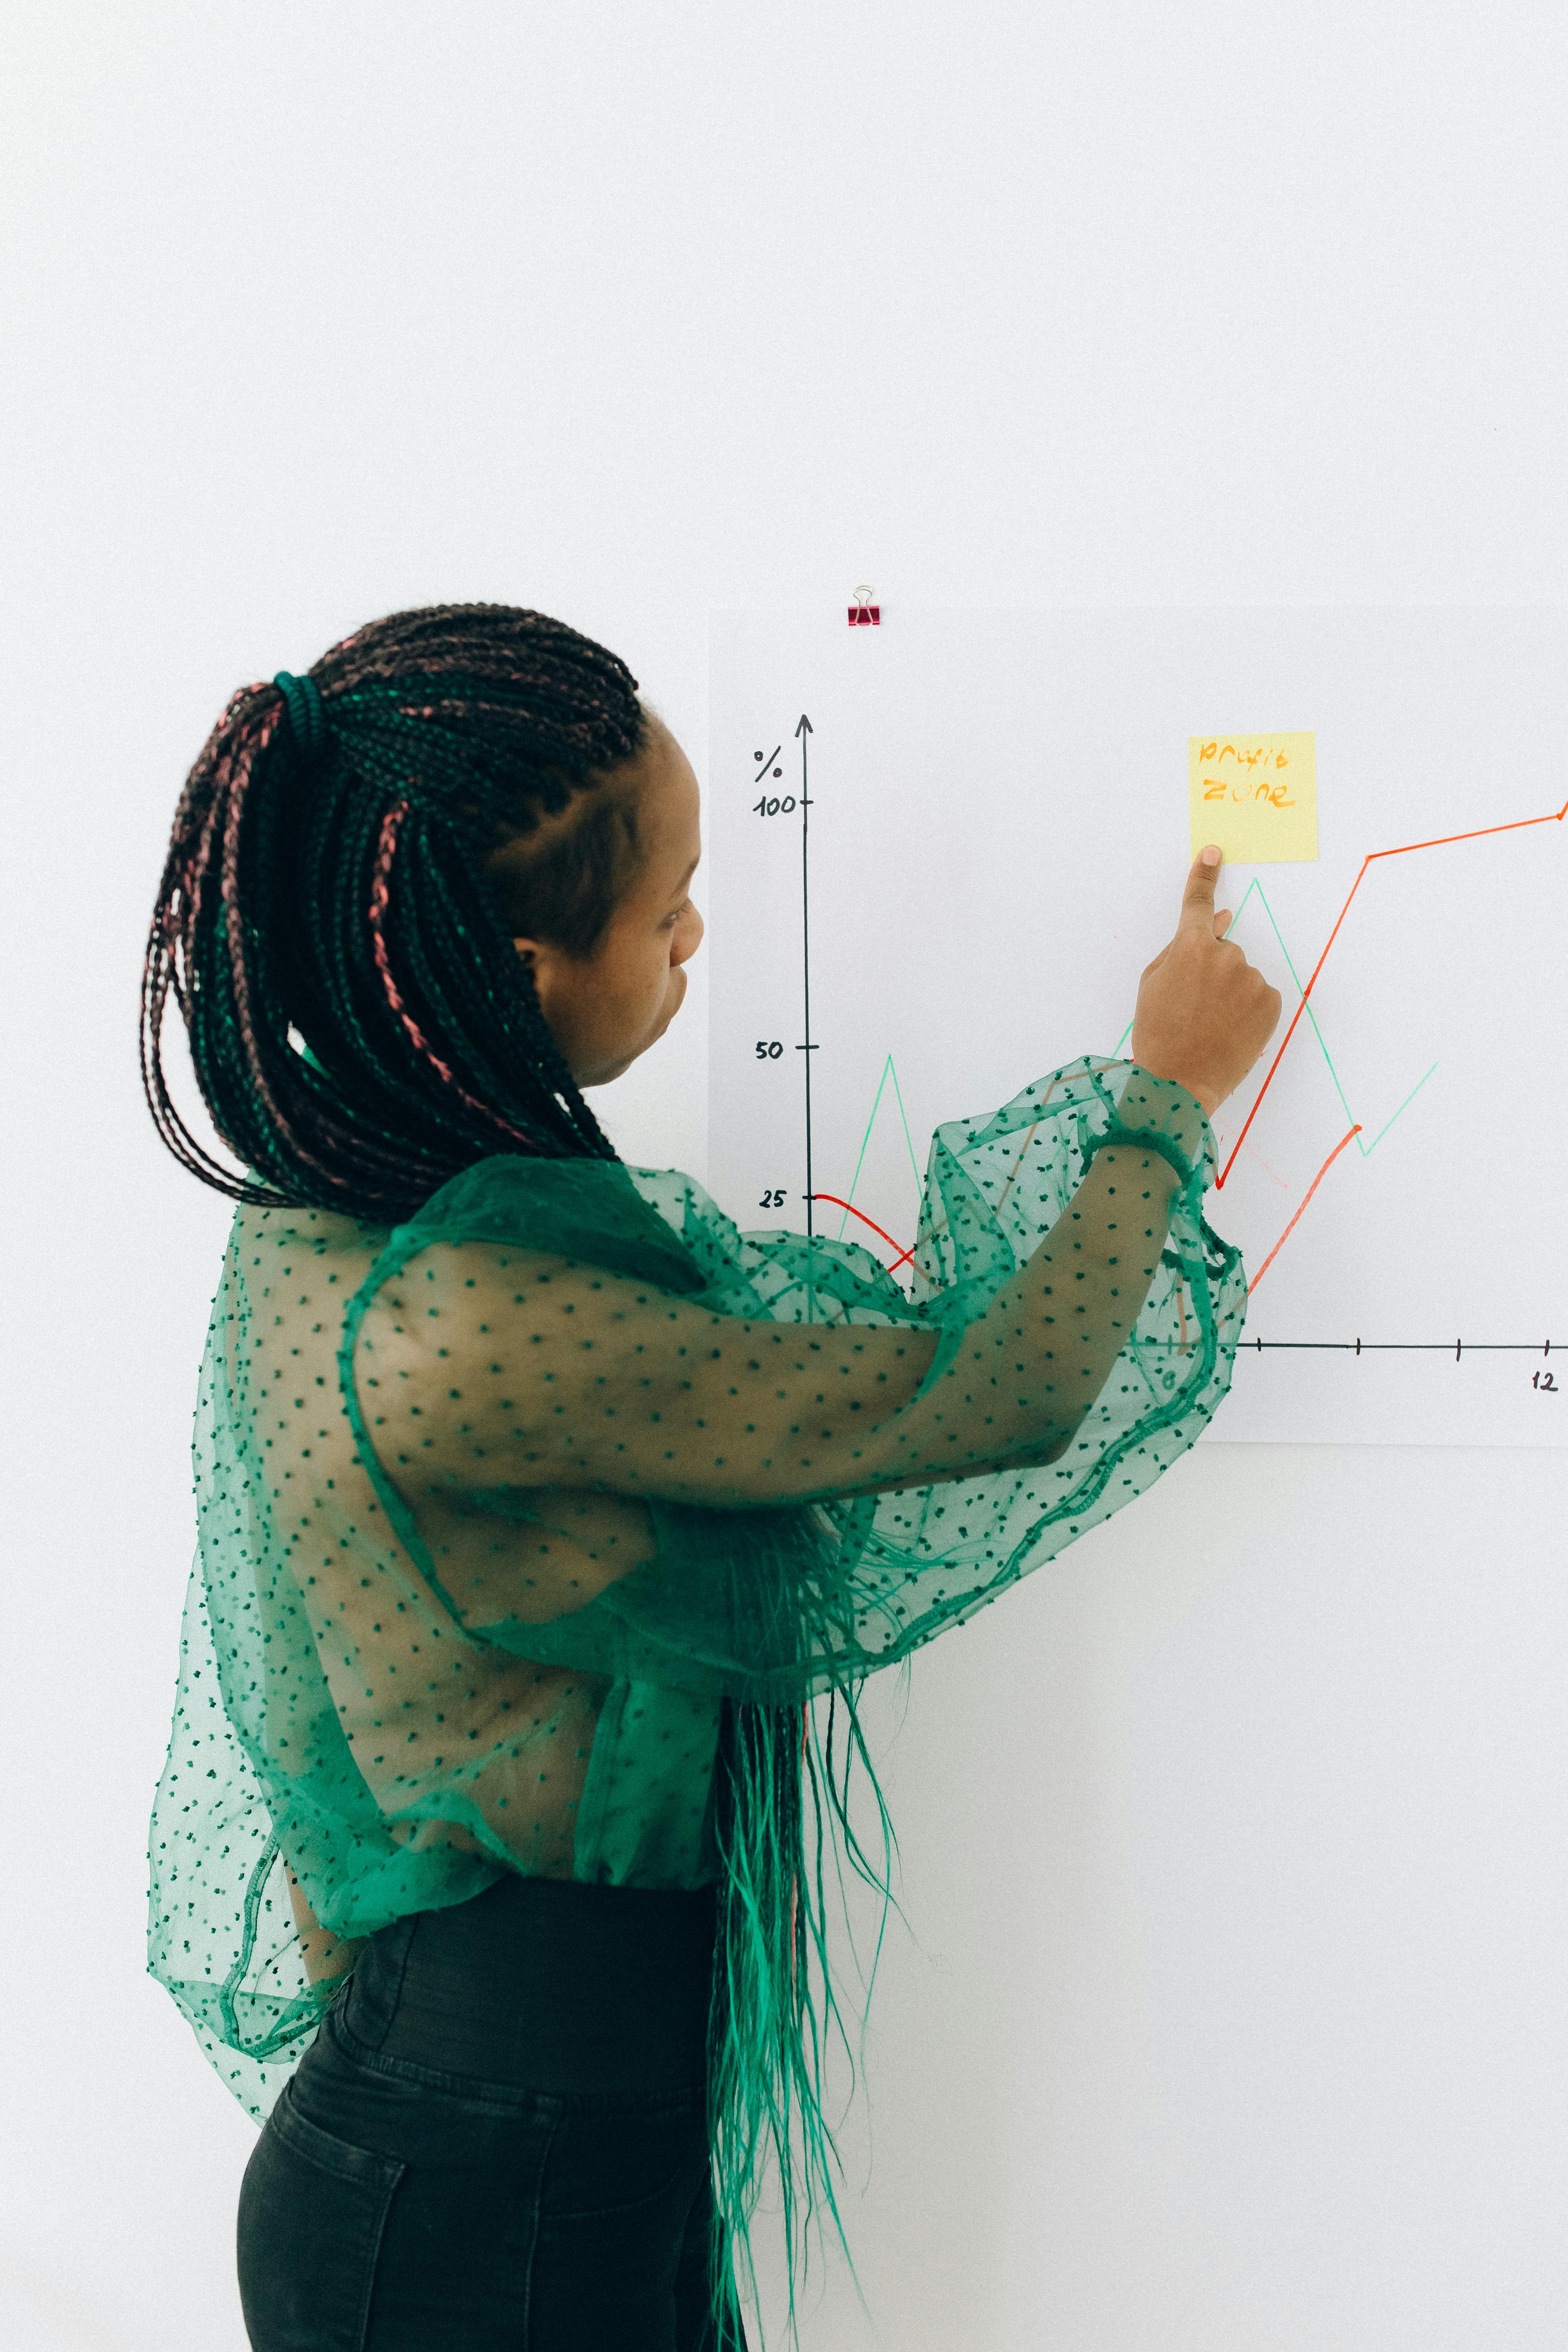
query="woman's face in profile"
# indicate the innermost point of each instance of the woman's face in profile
(606, 1009)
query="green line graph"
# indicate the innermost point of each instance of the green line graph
(890, 1076)
(888, 1072)
(1365, 1150)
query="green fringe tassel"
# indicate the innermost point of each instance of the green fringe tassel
(766, 2041)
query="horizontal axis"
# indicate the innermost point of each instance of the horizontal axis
(1411, 1346)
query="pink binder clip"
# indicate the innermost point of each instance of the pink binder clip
(863, 614)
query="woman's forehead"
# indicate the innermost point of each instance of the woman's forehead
(670, 808)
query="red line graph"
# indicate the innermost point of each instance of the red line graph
(1552, 816)
(876, 1228)
(1301, 1211)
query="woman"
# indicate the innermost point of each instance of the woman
(536, 1503)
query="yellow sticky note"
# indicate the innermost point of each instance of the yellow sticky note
(1257, 795)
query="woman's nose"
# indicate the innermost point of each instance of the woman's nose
(688, 936)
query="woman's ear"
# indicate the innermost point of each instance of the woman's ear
(545, 962)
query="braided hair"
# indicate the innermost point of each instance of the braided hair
(335, 894)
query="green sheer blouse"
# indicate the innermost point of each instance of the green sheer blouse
(498, 1509)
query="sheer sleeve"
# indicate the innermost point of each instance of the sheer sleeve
(616, 1434)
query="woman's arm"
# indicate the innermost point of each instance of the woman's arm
(482, 1367)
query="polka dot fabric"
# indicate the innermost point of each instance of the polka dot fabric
(498, 1509)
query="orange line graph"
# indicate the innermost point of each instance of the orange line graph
(1405, 849)
(1301, 1211)
(1552, 816)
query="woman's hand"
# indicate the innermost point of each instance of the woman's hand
(1203, 1014)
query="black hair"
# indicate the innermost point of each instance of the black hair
(337, 896)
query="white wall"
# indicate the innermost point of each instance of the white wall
(626, 311)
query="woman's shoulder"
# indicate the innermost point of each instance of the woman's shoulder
(655, 1225)
(600, 1211)
(323, 1240)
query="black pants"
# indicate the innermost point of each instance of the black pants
(498, 2138)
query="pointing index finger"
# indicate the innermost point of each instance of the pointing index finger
(1197, 899)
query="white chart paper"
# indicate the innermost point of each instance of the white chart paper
(994, 846)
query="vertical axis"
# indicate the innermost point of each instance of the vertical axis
(803, 731)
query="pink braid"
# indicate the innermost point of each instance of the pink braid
(385, 847)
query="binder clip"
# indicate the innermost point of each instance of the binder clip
(863, 614)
